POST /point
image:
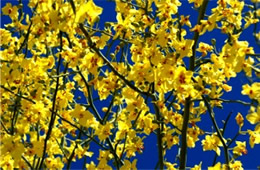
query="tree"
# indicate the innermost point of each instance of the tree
(69, 85)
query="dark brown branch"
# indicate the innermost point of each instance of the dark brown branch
(186, 116)
(73, 152)
(53, 113)
(159, 133)
(211, 113)
(183, 153)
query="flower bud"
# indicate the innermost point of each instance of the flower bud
(213, 41)
(240, 120)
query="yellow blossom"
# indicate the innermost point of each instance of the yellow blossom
(240, 148)
(129, 165)
(88, 11)
(236, 165)
(252, 91)
(211, 143)
(11, 11)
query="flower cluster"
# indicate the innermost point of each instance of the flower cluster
(68, 85)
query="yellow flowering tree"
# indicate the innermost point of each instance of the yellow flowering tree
(68, 83)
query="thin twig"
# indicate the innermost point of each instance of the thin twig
(75, 126)
(98, 52)
(211, 113)
(91, 103)
(27, 34)
(232, 101)
(28, 163)
(223, 131)
(5, 128)
(18, 95)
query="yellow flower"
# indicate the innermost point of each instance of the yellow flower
(121, 26)
(197, 3)
(88, 11)
(11, 11)
(197, 167)
(254, 116)
(252, 91)
(204, 48)
(84, 117)
(91, 166)
(37, 147)
(184, 48)
(185, 20)
(247, 66)
(182, 76)
(129, 165)
(211, 143)
(237, 165)
(11, 145)
(103, 131)
(134, 145)
(54, 163)
(210, 24)
(226, 87)
(104, 156)
(171, 139)
(176, 119)
(124, 126)
(170, 166)
(133, 103)
(215, 167)
(250, 20)
(101, 41)
(240, 148)
(192, 136)
(254, 138)
(218, 61)
(6, 37)
(80, 152)
(6, 162)
(92, 62)
(149, 126)
(167, 8)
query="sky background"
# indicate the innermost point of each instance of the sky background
(148, 159)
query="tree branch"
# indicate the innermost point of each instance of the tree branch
(18, 95)
(159, 133)
(211, 113)
(53, 113)
(98, 52)
(183, 153)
